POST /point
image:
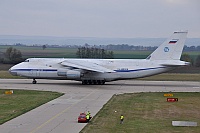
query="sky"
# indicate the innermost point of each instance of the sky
(100, 18)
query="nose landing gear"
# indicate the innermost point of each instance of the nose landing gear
(34, 81)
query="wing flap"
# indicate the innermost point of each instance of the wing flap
(86, 65)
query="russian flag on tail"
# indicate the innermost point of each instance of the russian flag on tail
(173, 41)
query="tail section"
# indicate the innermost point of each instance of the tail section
(171, 49)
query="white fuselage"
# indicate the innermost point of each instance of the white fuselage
(48, 68)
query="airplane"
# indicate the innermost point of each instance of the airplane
(98, 71)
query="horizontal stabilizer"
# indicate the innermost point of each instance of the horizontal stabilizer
(176, 63)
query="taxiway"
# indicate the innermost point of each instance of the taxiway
(60, 115)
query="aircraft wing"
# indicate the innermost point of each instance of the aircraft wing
(86, 65)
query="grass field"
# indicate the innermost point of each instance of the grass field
(146, 113)
(174, 77)
(29, 52)
(7, 75)
(22, 101)
(5, 67)
(33, 52)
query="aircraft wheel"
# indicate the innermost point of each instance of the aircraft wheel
(83, 83)
(34, 81)
(89, 82)
(98, 82)
(95, 82)
(102, 82)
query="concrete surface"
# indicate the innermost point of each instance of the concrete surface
(60, 115)
(184, 123)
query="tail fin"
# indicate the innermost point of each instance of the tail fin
(171, 49)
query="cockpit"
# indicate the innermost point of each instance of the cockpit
(27, 60)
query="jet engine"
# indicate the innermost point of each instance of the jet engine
(70, 74)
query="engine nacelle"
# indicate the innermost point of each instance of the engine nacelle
(70, 74)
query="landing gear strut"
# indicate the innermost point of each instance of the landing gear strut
(34, 81)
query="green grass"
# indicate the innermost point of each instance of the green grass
(174, 77)
(131, 54)
(38, 52)
(193, 54)
(5, 66)
(7, 75)
(146, 113)
(22, 101)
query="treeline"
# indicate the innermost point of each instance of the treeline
(14, 56)
(129, 47)
(96, 53)
(187, 58)
(191, 48)
(147, 48)
(11, 56)
(114, 47)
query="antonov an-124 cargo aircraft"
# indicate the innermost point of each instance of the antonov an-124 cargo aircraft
(98, 71)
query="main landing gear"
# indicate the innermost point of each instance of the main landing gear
(34, 81)
(93, 82)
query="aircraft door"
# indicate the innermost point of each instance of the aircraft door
(35, 73)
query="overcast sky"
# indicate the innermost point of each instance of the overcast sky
(99, 18)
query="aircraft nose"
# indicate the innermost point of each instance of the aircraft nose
(12, 72)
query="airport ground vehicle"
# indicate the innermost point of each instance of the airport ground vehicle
(82, 118)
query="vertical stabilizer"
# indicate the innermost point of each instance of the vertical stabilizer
(171, 49)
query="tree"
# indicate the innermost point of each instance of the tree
(1, 60)
(78, 53)
(44, 47)
(86, 52)
(13, 55)
(197, 64)
(103, 54)
(187, 58)
(110, 55)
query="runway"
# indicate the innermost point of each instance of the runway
(60, 115)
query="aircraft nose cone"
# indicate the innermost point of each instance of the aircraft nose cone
(12, 72)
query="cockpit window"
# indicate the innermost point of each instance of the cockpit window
(148, 57)
(26, 60)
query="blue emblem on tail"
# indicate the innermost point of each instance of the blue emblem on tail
(166, 49)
